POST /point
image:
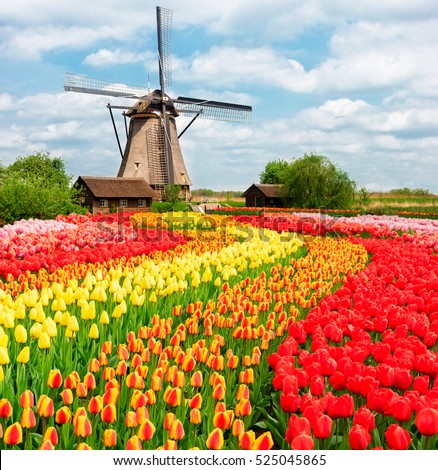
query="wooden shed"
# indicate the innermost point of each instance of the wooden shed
(263, 195)
(108, 194)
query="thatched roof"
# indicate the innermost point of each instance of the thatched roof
(110, 187)
(269, 190)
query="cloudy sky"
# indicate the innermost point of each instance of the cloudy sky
(354, 81)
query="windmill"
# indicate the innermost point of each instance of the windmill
(152, 148)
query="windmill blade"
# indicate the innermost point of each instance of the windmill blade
(83, 84)
(215, 110)
(164, 34)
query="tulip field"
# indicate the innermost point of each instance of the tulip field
(173, 331)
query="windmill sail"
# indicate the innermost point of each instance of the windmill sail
(152, 149)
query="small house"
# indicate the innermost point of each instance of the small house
(109, 194)
(263, 195)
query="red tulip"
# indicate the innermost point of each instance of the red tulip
(28, 418)
(5, 408)
(134, 443)
(323, 427)
(302, 442)
(263, 442)
(45, 406)
(365, 418)
(397, 437)
(109, 414)
(63, 415)
(427, 421)
(359, 438)
(401, 409)
(82, 426)
(146, 430)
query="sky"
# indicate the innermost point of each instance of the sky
(354, 81)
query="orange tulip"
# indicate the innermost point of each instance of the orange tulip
(90, 381)
(196, 379)
(246, 440)
(109, 414)
(5, 408)
(45, 406)
(83, 446)
(215, 440)
(63, 415)
(111, 396)
(82, 427)
(146, 430)
(27, 418)
(176, 431)
(243, 408)
(109, 438)
(242, 392)
(218, 392)
(67, 396)
(95, 405)
(27, 399)
(13, 434)
(138, 399)
(263, 442)
(55, 379)
(238, 427)
(223, 419)
(47, 445)
(71, 381)
(172, 396)
(141, 414)
(195, 416)
(81, 390)
(195, 402)
(168, 420)
(51, 435)
(94, 365)
(131, 419)
(134, 443)
(170, 445)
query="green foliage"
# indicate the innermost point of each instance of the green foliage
(313, 181)
(410, 192)
(274, 172)
(162, 207)
(172, 193)
(202, 192)
(36, 186)
(363, 196)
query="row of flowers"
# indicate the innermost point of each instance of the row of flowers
(361, 370)
(114, 360)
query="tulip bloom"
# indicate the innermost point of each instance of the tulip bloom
(28, 418)
(302, 442)
(263, 442)
(20, 334)
(176, 431)
(51, 435)
(223, 419)
(63, 415)
(67, 396)
(146, 430)
(24, 355)
(196, 379)
(427, 421)
(55, 379)
(323, 427)
(359, 438)
(5, 408)
(27, 399)
(109, 438)
(195, 416)
(134, 443)
(172, 396)
(195, 402)
(246, 440)
(168, 420)
(46, 445)
(215, 440)
(82, 426)
(243, 408)
(109, 414)
(397, 437)
(45, 406)
(13, 434)
(238, 427)
(131, 419)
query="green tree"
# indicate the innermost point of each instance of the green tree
(36, 186)
(313, 181)
(274, 172)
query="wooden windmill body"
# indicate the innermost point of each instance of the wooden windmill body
(152, 149)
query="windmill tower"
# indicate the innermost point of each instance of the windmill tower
(152, 148)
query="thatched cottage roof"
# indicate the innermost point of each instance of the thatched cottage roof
(113, 187)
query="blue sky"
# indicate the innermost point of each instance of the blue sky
(354, 81)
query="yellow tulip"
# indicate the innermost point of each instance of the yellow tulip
(94, 332)
(44, 341)
(4, 357)
(20, 334)
(24, 355)
(104, 318)
(35, 330)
